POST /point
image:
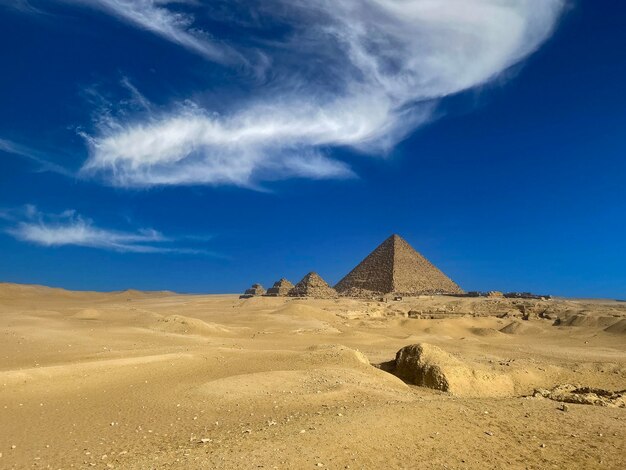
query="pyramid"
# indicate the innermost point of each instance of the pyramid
(280, 288)
(395, 267)
(312, 285)
(256, 289)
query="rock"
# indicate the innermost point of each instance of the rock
(568, 393)
(429, 366)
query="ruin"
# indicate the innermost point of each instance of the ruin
(394, 267)
(280, 288)
(256, 289)
(312, 285)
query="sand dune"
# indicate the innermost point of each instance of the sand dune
(134, 380)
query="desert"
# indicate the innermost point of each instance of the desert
(312, 234)
(137, 380)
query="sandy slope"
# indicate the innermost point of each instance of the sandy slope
(158, 380)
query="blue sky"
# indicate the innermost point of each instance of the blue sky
(201, 146)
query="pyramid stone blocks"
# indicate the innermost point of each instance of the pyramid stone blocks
(395, 267)
(280, 288)
(312, 285)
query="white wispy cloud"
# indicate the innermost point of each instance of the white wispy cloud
(43, 161)
(70, 228)
(382, 66)
(176, 27)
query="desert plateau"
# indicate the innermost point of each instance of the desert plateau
(155, 380)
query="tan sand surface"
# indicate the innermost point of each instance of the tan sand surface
(135, 380)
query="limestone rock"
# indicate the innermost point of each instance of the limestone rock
(430, 366)
(568, 393)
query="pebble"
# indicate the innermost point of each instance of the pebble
(564, 407)
(13, 446)
(319, 464)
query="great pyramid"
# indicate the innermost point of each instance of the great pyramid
(280, 288)
(395, 267)
(312, 285)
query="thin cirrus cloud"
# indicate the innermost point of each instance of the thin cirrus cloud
(359, 75)
(41, 159)
(71, 229)
(176, 27)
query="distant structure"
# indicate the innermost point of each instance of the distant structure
(280, 288)
(312, 285)
(256, 289)
(395, 268)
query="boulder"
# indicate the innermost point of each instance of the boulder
(432, 367)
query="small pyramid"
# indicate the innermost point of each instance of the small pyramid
(395, 267)
(312, 285)
(280, 288)
(256, 289)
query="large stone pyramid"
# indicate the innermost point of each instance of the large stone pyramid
(312, 285)
(395, 267)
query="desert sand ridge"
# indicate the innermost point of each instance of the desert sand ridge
(395, 267)
(211, 381)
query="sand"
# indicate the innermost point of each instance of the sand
(136, 380)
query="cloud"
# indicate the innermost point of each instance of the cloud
(36, 156)
(177, 27)
(353, 74)
(69, 228)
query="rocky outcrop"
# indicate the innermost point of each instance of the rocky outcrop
(432, 367)
(568, 393)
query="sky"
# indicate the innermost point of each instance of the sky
(202, 146)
